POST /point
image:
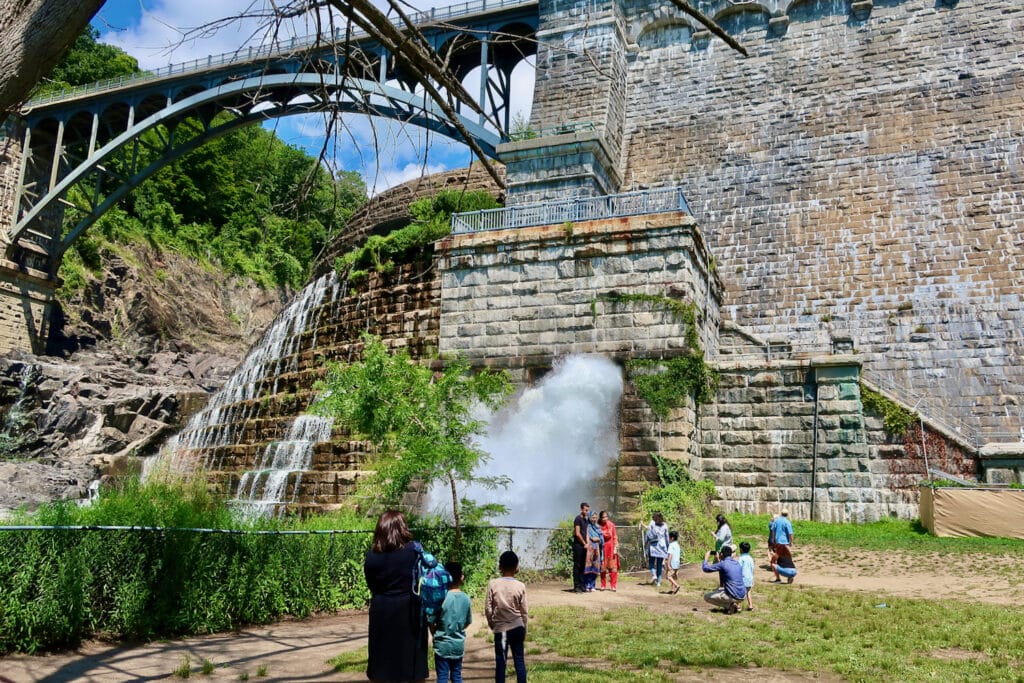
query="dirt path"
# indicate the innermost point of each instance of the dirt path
(298, 650)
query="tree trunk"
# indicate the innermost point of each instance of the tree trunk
(455, 514)
(36, 34)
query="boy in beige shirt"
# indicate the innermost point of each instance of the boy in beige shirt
(505, 609)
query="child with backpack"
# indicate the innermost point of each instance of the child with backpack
(505, 609)
(450, 633)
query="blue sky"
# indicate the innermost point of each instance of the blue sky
(162, 32)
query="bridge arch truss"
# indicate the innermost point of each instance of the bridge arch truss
(87, 151)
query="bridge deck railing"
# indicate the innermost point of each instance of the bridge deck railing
(282, 48)
(571, 210)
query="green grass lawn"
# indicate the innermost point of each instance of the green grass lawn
(800, 629)
(887, 534)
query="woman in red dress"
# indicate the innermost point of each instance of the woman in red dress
(611, 550)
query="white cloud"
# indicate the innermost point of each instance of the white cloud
(171, 32)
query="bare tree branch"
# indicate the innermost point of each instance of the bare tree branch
(711, 26)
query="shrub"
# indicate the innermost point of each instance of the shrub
(62, 585)
(686, 505)
(559, 550)
(171, 579)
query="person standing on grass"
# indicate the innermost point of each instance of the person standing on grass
(723, 535)
(771, 540)
(783, 529)
(747, 565)
(450, 636)
(505, 610)
(656, 542)
(579, 547)
(674, 554)
(595, 554)
(731, 590)
(610, 566)
(397, 639)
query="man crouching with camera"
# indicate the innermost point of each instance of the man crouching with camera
(731, 590)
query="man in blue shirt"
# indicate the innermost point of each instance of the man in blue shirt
(730, 575)
(783, 529)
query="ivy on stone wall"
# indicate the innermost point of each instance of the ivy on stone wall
(682, 311)
(665, 384)
(670, 471)
(895, 418)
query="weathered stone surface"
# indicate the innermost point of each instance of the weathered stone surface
(865, 183)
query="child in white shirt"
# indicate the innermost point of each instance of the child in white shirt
(747, 565)
(673, 560)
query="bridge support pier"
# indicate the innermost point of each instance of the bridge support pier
(26, 300)
(26, 293)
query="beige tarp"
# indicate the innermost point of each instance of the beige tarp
(973, 512)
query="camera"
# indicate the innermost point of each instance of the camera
(713, 553)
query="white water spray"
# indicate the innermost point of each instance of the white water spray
(554, 442)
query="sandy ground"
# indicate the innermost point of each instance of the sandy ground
(298, 650)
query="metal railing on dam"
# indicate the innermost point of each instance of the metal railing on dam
(279, 48)
(661, 200)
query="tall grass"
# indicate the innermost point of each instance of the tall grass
(63, 585)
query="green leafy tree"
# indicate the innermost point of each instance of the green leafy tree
(420, 421)
(88, 61)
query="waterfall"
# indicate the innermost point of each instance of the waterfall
(214, 426)
(14, 423)
(261, 490)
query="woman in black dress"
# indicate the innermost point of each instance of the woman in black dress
(398, 633)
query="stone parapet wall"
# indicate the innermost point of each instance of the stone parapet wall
(859, 174)
(530, 295)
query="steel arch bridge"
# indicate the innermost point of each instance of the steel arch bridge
(84, 150)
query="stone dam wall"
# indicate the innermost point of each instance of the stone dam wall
(859, 174)
(400, 307)
(780, 432)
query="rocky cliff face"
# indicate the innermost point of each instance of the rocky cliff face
(134, 354)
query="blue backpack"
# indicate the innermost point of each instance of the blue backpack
(430, 582)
